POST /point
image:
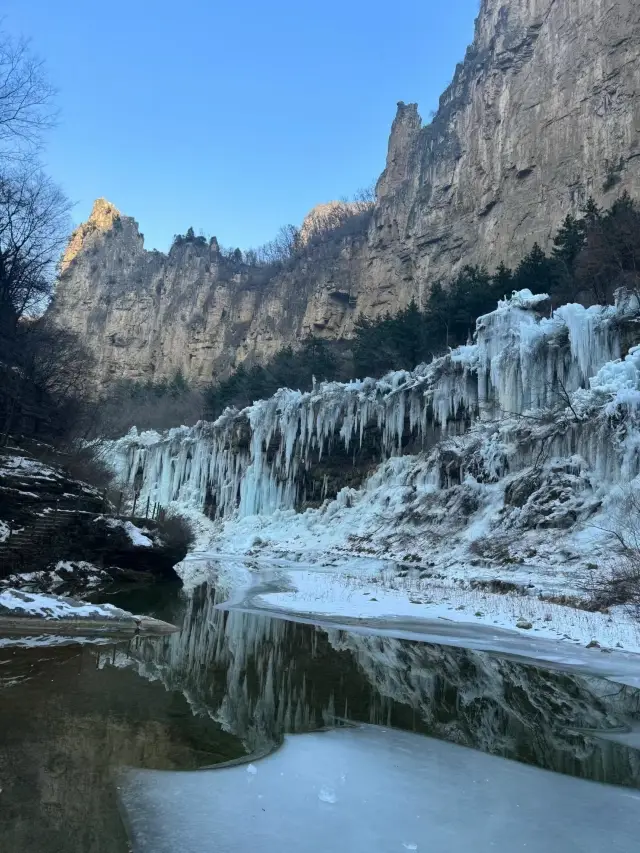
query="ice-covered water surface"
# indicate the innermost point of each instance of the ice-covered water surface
(262, 678)
(233, 684)
(370, 790)
(251, 462)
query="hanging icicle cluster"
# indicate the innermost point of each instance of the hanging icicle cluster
(250, 462)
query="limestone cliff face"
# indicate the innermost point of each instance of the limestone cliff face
(146, 315)
(543, 112)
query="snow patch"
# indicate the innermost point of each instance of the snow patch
(19, 603)
(135, 534)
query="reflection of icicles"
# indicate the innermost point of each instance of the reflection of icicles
(496, 705)
(252, 462)
(261, 677)
(240, 669)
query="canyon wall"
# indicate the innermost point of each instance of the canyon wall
(542, 113)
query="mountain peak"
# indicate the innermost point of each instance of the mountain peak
(103, 217)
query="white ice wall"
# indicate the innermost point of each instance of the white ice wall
(526, 373)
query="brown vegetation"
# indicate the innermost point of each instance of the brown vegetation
(620, 583)
(176, 531)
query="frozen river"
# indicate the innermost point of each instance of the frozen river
(249, 732)
(372, 789)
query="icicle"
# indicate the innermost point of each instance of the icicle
(520, 361)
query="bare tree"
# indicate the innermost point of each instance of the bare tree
(282, 248)
(47, 381)
(365, 196)
(326, 224)
(33, 211)
(618, 583)
(26, 99)
(34, 218)
(43, 371)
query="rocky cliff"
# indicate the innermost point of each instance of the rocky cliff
(542, 113)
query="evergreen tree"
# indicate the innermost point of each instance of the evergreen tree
(591, 211)
(470, 296)
(316, 359)
(502, 281)
(611, 256)
(438, 318)
(536, 272)
(178, 383)
(569, 242)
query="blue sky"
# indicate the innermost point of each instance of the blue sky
(233, 117)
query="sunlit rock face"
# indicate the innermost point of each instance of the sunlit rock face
(540, 115)
(147, 315)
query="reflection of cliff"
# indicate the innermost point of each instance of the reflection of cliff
(262, 677)
(66, 728)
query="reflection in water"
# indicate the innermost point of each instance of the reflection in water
(65, 726)
(232, 683)
(262, 677)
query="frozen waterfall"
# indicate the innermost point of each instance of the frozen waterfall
(531, 374)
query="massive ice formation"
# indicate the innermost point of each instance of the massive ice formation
(534, 381)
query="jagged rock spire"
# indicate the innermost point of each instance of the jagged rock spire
(103, 216)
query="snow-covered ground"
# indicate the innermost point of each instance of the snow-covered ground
(44, 641)
(36, 614)
(378, 594)
(137, 536)
(367, 789)
(355, 561)
(51, 607)
(19, 464)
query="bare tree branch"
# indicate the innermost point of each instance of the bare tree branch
(33, 228)
(26, 99)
